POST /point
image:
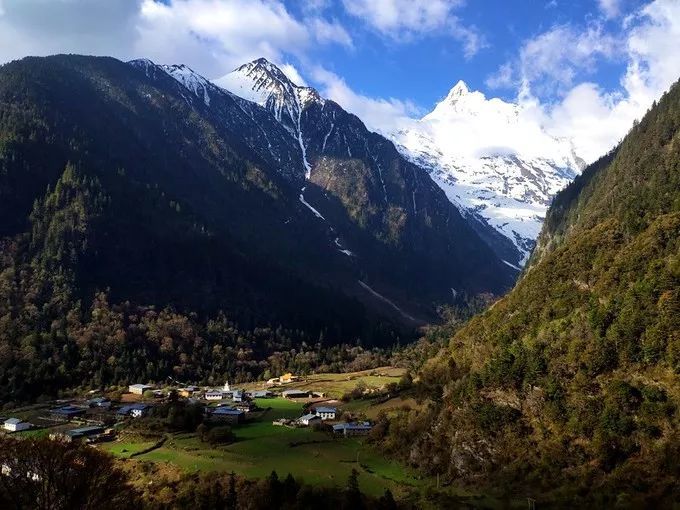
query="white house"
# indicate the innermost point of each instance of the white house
(15, 425)
(214, 395)
(139, 389)
(309, 419)
(326, 413)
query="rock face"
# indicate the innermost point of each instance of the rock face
(494, 161)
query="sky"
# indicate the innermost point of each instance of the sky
(584, 68)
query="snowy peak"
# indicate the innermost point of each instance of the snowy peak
(494, 160)
(183, 74)
(458, 90)
(264, 83)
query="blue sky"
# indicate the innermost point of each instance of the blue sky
(585, 68)
(423, 68)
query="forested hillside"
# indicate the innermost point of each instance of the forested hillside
(177, 219)
(568, 389)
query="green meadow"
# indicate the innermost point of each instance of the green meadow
(261, 448)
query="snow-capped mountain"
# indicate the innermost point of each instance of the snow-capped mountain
(384, 223)
(493, 160)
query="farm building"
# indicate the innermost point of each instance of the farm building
(352, 429)
(295, 394)
(139, 389)
(309, 419)
(214, 395)
(326, 413)
(77, 434)
(16, 424)
(99, 402)
(238, 396)
(187, 391)
(227, 414)
(134, 410)
(66, 412)
(260, 394)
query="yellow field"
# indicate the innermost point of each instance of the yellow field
(336, 385)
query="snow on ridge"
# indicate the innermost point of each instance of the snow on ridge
(493, 159)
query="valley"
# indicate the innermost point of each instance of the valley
(394, 255)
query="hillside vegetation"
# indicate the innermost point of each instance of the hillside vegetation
(568, 389)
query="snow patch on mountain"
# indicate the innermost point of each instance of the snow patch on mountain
(493, 159)
(191, 80)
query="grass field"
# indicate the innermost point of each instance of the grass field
(336, 385)
(261, 448)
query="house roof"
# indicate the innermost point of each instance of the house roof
(66, 410)
(133, 407)
(309, 417)
(295, 392)
(99, 400)
(84, 431)
(140, 386)
(352, 426)
(326, 410)
(13, 421)
(227, 411)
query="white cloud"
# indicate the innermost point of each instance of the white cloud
(212, 36)
(405, 19)
(389, 16)
(218, 36)
(610, 8)
(553, 59)
(293, 74)
(329, 31)
(593, 117)
(379, 114)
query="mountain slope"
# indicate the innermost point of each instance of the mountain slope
(208, 205)
(374, 201)
(193, 215)
(494, 162)
(568, 389)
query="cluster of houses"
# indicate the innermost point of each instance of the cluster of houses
(322, 414)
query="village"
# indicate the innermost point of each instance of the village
(289, 424)
(96, 418)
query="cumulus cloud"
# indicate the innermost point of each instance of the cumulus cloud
(218, 36)
(213, 36)
(593, 117)
(379, 114)
(552, 60)
(405, 19)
